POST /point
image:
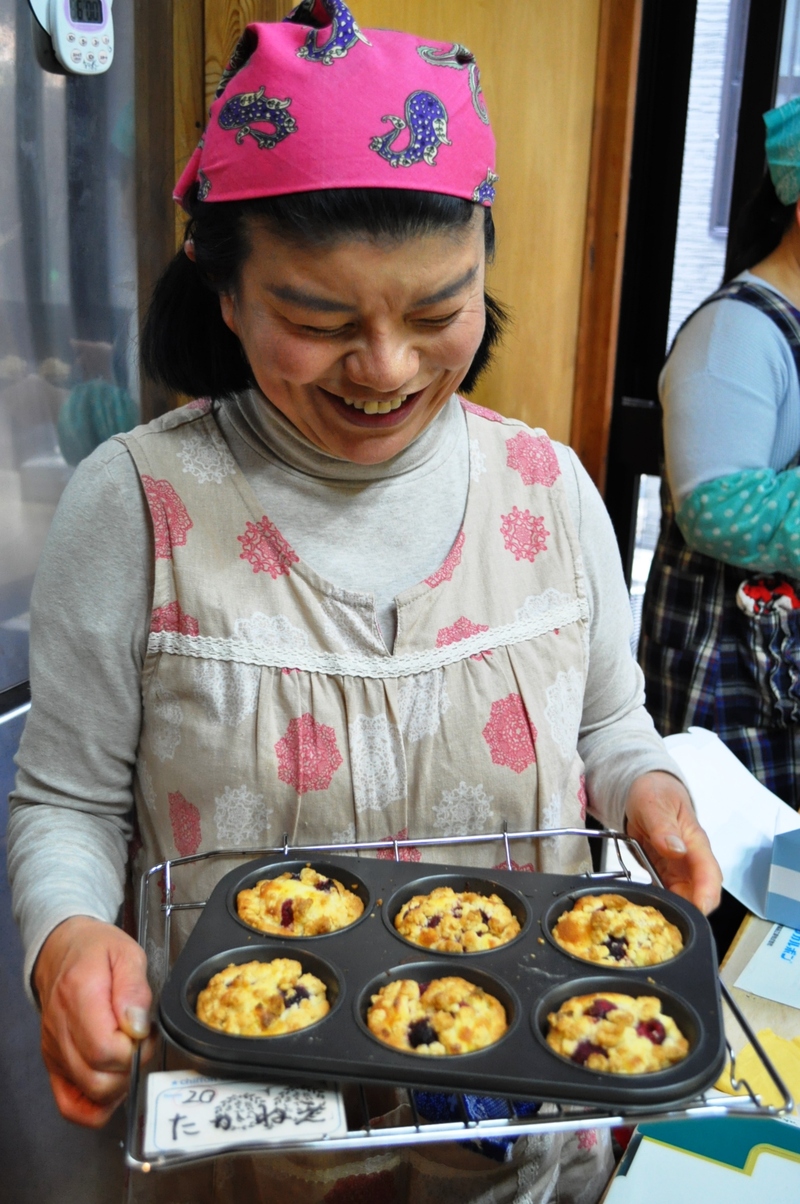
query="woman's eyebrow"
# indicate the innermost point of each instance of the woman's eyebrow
(449, 290)
(296, 296)
(322, 305)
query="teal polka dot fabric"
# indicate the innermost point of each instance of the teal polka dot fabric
(750, 519)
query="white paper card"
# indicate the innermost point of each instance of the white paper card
(773, 971)
(740, 815)
(189, 1113)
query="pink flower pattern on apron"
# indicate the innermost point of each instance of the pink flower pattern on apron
(409, 853)
(307, 755)
(185, 820)
(582, 798)
(451, 563)
(533, 458)
(171, 523)
(266, 549)
(510, 734)
(481, 411)
(524, 535)
(172, 618)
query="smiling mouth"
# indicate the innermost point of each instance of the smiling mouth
(375, 407)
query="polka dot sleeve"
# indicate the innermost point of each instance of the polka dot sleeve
(750, 519)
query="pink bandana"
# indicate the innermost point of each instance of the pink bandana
(315, 102)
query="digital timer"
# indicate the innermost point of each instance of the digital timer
(81, 33)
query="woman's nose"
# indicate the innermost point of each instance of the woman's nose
(383, 364)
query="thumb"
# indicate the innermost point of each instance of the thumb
(131, 997)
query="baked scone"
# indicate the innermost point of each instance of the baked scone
(263, 999)
(450, 922)
(612, 931)
(616, 1033)
(445, 1016)
(304, 904)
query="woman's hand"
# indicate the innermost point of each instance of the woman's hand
(92, 986)
(660, 816)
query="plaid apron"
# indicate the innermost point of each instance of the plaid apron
(708, 664)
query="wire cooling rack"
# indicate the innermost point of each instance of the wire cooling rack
(362, 1133)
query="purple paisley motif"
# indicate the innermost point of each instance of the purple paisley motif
(484, 193)
(344, 32)
(426, 121)
(459, 58)
(244, 108)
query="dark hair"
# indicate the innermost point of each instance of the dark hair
(185, 343)
(758, 228)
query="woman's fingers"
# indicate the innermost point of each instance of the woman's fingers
(77, 1107)
(95, 1008)
(661, 818)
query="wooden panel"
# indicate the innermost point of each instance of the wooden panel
(224, 22)
(537, 61)
(615, 94)
(189, 76)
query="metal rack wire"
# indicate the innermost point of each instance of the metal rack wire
(362, 1134)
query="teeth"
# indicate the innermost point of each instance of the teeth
(376, 407)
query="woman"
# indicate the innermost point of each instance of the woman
(335, 601)
(720, 623)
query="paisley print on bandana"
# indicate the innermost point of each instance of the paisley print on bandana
(484, 194)
(524, 535)
(451, 563)
(510, 734)
(266, 549)
(244, 108)
(426, 121)
(344, 33)
(171, 523)
(459, 58)
(533, 458)
(185, 820)
(172, 618)
(307, 755)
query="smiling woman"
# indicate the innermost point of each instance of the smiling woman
(330, 597)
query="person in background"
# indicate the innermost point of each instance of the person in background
(334, 598)
(720, 642)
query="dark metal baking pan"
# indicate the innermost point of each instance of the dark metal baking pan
(528, 971)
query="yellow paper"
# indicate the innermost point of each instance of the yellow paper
(785, 1057)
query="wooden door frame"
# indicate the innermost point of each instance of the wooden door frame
(604, 244)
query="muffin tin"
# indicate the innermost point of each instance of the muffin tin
(531, 976)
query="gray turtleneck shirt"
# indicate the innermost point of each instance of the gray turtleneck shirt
(375, 529)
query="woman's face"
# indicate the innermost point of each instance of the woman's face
(361, 343)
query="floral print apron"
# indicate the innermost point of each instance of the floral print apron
(272, 705)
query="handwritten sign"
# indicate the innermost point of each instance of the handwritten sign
(189, 1113)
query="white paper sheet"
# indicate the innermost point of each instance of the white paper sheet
(740, 815)
(190, 1113)
(773, 971)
